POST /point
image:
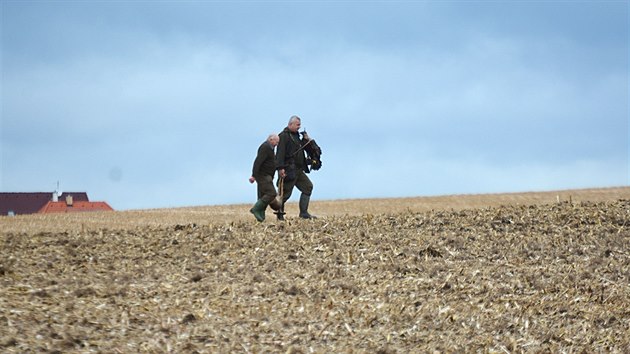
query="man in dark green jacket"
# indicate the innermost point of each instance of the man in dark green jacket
(292, 167)
(262, 173)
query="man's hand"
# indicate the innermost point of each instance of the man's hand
(252, 179)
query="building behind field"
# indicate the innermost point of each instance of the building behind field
(45, 202)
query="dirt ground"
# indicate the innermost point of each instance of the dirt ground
(530, 272)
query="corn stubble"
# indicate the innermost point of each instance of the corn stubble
(552, 277)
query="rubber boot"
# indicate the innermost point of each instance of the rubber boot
(304, 201)
(259, 210)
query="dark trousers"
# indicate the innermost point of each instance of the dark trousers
(266, 190)
(301, 181)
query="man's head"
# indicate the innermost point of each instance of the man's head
(273, 139)
(294, 124)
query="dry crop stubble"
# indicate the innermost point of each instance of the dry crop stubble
(519, 278)
(221, 214)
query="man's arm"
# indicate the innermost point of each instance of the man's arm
(281, 153)
(260, 157)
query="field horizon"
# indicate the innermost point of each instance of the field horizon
(213, 214)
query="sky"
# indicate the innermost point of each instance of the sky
(156, 104)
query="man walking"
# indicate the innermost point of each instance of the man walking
(262, 173)
(292, 167)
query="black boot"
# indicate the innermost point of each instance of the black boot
(304, 201)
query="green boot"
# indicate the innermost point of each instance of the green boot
(259, 210)
(304, 201)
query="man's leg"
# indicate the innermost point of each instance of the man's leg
(266, 195)
(267, 192)
(304, 185)
(287, 189)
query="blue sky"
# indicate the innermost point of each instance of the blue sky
(151, 104)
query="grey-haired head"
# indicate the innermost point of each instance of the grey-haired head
(294, 124)
(273, 139)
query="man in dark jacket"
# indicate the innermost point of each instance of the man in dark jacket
(262, 173)
(292, 166)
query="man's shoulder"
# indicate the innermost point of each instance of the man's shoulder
(285, 136)
(264, 146)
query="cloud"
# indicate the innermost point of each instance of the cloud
(169, 109)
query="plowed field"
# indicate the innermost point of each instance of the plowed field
(499, 274)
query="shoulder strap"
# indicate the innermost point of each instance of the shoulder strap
(300, 148)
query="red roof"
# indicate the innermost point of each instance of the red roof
(31, 203)
(63, 207)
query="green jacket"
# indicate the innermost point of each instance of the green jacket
(286, 151)
(265, 162)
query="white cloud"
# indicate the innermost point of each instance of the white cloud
(182, 112)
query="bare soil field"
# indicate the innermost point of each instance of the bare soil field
(505, 273)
